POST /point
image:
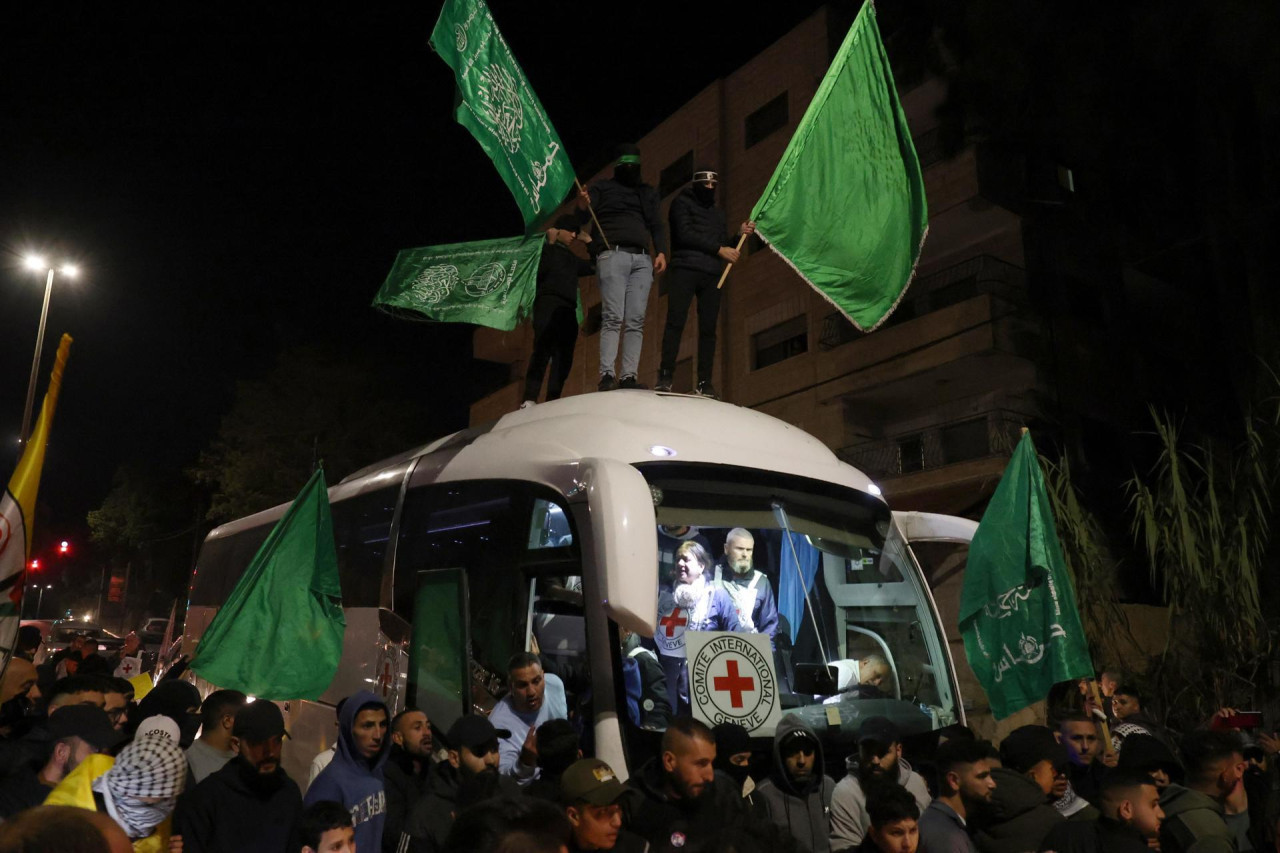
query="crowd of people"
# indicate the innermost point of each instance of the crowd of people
(174, 773)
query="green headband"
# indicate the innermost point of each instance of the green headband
(629, 158)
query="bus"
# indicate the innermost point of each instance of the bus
(545, 530)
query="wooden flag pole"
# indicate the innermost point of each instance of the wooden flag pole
(741, 241)
(593, 215)
(1106, 730)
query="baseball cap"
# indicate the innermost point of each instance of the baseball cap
(1025, 747)
(879, 730)
(159, 726)
(592, 781)
(473, 730)
(259, 721)
(86, 722)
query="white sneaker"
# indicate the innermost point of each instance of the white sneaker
(528, 404)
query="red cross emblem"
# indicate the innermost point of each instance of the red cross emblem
(384, 680)
(127, 668)
(673, 621)
(733, 684)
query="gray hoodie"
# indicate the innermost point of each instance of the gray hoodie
(849, 818)
(802, 812)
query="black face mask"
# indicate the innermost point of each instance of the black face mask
(627, 174)
(704, 194)
(737, 772)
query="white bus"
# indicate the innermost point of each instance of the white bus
(545, 526)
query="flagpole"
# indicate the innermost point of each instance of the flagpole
(599, 227)
(741, 240)
(1106, 731)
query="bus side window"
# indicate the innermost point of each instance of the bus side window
(361, 533)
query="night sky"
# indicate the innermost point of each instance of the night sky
(237, 183)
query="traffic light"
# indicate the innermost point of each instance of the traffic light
(35, 565)
(65, 547)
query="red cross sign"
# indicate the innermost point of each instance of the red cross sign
(673, 621)
(733, 684)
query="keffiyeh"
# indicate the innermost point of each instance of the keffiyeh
(152, 767)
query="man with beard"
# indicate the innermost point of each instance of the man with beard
(533, 697)
(700, 247)
(213, 749)
(630, 219)
(407, 771)
(1195, 819)
(468, 776)
(964, 783)
(1129, 821)
(797, 795)
(680, 799)
(879, 758)
(73, 734)
(355, 776)
(750, 590)
(250, 804)
(695, 604)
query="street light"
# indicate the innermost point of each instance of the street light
(37, 263)
(40, 600)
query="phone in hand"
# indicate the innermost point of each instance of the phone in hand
(1243, 720)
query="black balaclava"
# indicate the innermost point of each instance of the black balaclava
(172, 699)
(704, 194)
(626, 170)
(731, 739)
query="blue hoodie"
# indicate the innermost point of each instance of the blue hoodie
(351, 780)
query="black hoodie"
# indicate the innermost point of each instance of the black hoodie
(404, 788)
(430, 820)
(671, 824)
(1018, 817)
(237, 809)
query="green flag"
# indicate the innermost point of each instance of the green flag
(279, 636)
(845, 207)
(1018, 615)
(488, 282)
(497, 104)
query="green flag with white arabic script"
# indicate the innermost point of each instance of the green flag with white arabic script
(1022, 631)
(846, 206)
(489, 282)
(499, 107)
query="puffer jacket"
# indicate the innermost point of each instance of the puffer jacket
(697, 232)
(801, 812)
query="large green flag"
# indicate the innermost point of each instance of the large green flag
(279, 636)
(497, 104)
(1018, 615)
(488, 282)
(845, 207)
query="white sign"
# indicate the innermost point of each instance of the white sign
(732, 680)
(129, 667)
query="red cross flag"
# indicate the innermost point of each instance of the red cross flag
(128, 668)
(672, 620)
(732, 680)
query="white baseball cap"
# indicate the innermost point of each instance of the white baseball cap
(159, 726)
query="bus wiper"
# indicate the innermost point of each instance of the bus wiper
(780, 515)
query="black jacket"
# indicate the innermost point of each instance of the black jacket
(226, 812)
(558, 272)
(429, 821)
(1018, 817)
(630, 216)
(683, 825)
(1094, 836)
(698, 231)
(403, 790)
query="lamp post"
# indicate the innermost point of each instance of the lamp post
(40, 600)
(37, 263)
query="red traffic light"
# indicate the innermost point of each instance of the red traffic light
(64, 547)
(35, 565)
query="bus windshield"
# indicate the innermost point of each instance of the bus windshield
(819, 568)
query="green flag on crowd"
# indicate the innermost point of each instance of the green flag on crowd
(846, 207)
(488, 282)
(279, 636)
(1022, 631)
(499, 107)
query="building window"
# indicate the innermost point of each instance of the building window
(967, 440)
(766, 120)
(675, 176)
(780, 342)
(911, 454)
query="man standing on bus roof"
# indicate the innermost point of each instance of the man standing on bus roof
(533, 697)
(355, 776)
(750, 590)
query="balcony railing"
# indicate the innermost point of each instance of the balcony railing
(993, 433)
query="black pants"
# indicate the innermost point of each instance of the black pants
(682, 286)
(555, 331)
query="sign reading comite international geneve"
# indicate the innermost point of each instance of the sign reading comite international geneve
(732, 680)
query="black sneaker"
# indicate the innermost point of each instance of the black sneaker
(631, 383)
(706, 389)
(607, 383)
(664, 381)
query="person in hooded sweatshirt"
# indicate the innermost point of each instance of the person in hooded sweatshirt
(797, 794)
(1194, 817)
(355, 776)
(249, 805)
(1020, 814)
(879, 758)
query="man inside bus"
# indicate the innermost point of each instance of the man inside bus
(355, 776)
(533, 697)
(750, 590)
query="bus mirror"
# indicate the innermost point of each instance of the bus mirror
(623, 542)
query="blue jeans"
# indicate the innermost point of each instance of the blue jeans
(625, 279)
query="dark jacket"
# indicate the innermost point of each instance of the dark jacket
(669, 824)
(1193, 823)
(630, 216)
(802, 812)
(403, 788)
(1094, 836)
(628, 842)
(698, 231)
(232, 811)
(356, 782)
(1017, 819)
(430, 820)
(943, 831)
(558, 272)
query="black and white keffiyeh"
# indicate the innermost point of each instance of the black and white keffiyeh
(153, 766)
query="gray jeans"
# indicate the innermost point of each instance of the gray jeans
(625, 279)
